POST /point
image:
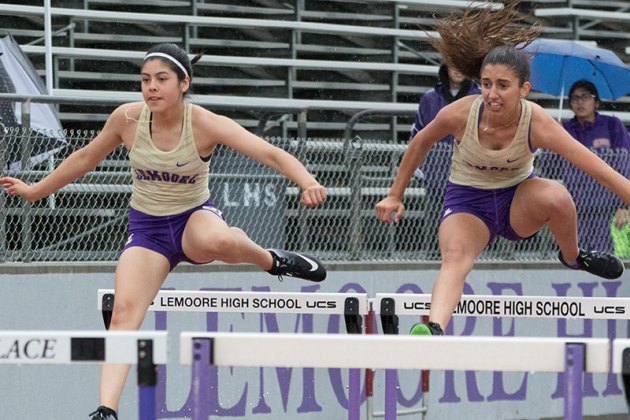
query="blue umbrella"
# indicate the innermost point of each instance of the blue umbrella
(556, 64)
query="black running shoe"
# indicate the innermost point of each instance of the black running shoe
(294, 264)
(602, 264)
(430, 328)
(104, 413)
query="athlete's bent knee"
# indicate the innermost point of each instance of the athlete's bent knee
(221, 246)
(455, 255)
(561, 203)
(126, 316)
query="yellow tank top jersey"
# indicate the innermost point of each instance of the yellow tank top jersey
(167, 183)
(479, 167)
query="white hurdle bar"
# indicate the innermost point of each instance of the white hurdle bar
(351, 305)
(142, 348)
(253, 302)
(509, 306)
(390, 305)
(571, 356)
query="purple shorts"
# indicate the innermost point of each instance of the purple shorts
(163, 234)
(491, 206)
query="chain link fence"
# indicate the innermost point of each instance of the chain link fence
(87, 220)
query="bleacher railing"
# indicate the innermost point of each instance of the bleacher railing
(86, 220)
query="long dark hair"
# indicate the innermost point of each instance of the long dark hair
(484, 36)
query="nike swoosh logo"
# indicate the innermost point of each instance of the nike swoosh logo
(511, 161)
(314, 265)
(179, 165)
(447, 212)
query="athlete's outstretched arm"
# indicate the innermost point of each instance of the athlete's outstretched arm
(222, 130)
(448, 121)
(74, 166)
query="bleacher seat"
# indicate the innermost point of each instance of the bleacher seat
(362, 51)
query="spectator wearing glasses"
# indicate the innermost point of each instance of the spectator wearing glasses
(601, 213)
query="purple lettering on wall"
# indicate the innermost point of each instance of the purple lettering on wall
(612, 384)
(334, 327)
(209, 380)
(587, 331)
(416, 397)
(498, 389)
(471, 378)
(244, 400)
(269, 323)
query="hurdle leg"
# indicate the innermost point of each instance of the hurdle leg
(147, 380)
(625, 374)
(369, 394)
(107, 305)
(354, 325)
(354, 394)
(146, 403)
(391, 397)
(389, 320)
(369, 373)
(573, 375)
(201, 360)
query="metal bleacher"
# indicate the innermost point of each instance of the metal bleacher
(285, 68)
(297, 51)
(334, 58)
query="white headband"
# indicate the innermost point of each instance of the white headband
(168, 57)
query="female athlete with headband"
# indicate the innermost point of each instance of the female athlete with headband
(171, 216)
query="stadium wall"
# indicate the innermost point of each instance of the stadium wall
(64, 297)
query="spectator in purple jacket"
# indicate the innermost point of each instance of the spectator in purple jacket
(452, 85)
(608, 138)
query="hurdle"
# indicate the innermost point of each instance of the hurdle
(389, 306)
(571, 356)
(353, 306)
(144, 349)
(621, 363)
